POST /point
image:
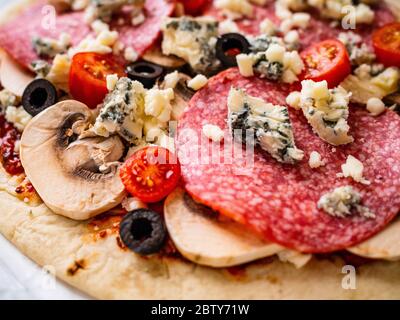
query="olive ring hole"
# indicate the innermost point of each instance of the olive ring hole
(38, 98)
(232, 44)
(141, 229)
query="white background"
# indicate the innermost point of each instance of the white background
(20, 278)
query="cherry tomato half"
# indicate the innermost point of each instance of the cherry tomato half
(151, 173)
(327, 60)
(193, 7)
(386, 42)
(87, 77)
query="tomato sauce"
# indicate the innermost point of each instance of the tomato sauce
(9, 135)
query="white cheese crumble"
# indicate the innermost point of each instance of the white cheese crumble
(105, 9)
(171, 80)
(130, 54)
(197, 82)
(296, 258)
(227, 26)
(294, 99)
(252, 120)
(342, 202)
(18, 117)
(245, 64)
(375, 106)
(112, 80)
(299, 20)
(59, 72)
(235, 9)
(268, 27)
(158, 103)
(315, 160)
(359, 52)
(353, 168)
(7, 98)
(327, 111)
(213, 132)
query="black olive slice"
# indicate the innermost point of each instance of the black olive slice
(229, 45)
(145, 72)
(38, 96)
(143, 231)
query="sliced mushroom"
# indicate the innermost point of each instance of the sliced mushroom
(13, 77)
(66, 171)
(202, 238)
(156, 56)
(385, 245)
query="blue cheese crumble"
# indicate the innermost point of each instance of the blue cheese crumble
(49, 48)
(193, 40)
(327, 111)
(264, 124)
(342, 202)
(122, 112)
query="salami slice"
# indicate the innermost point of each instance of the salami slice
(318, 29)
(279, 201)
(16, 36)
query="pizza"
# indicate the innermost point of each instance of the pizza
(227, 149)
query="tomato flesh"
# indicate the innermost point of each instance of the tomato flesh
(151, 173)
(327, 60)
(193, 7)
(88, 76)
(386, 42)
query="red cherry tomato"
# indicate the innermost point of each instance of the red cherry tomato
(386, 42)
(327, 60)
(151, 173)
(193, 7)
(87, 77)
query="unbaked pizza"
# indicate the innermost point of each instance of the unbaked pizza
(204, 149)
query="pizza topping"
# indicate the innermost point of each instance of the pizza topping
(49, 48)
(327, 60)
(375, 106)
(197, 82)
(333, 9)
(38, 96)
(353, 168)
(358, 51)
(327, 111)
(73, 185)
(192, 39)
(203, 238)
(342, 202)
(386, 42)
(315, 160)
(229, 46)
(213, 132)
(372, 81)
(252, 120)
(8, 154)
(274, 64)
(151, 173)
(235, 9)
(88, 76)
(143, 231)
(105, 9)
(145, 72)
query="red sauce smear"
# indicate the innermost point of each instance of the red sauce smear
(9, 135)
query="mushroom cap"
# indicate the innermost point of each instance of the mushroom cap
(64, 172)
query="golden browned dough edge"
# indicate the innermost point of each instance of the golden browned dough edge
(104, 270)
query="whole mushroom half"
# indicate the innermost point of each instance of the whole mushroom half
(76, 178)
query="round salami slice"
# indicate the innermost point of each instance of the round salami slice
(318, 29)
(40, 20)
(279, 201)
